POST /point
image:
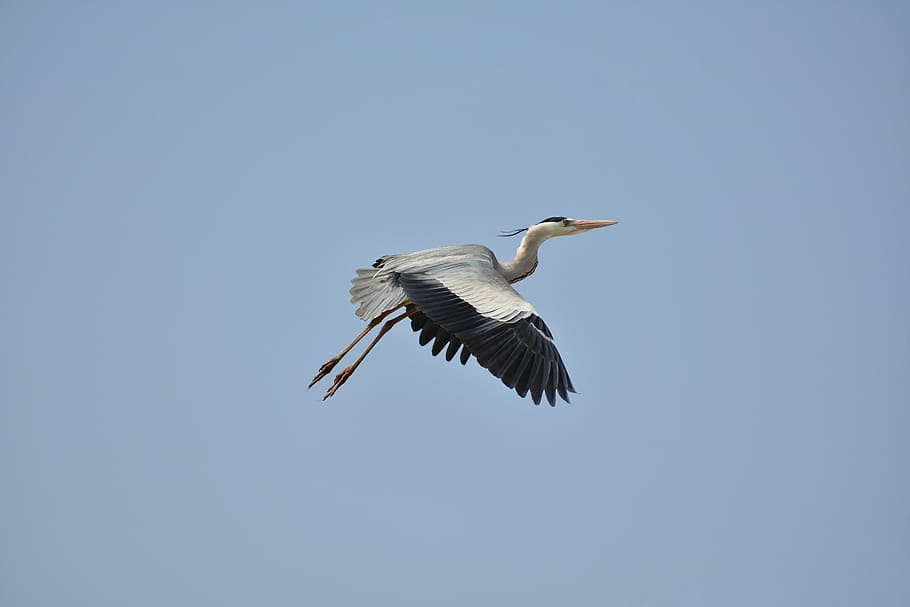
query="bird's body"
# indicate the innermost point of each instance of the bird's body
(471, 272)
(461, 297)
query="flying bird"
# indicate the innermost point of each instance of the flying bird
(461, 297)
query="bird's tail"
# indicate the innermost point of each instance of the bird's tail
(375, 291)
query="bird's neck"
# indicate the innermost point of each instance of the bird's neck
(525, 261)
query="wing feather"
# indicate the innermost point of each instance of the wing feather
(465, 355)
(519, 362)
(454, 344)
(442, 338)
(470, 304)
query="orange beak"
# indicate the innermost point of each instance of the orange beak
(588, 224)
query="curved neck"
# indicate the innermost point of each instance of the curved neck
(525, 261)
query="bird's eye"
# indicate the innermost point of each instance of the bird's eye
(566, 222)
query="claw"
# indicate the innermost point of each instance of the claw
(324, 370)
(339, 380)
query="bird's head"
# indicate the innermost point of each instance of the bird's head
(562, 226)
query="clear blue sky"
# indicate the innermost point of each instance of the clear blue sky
(188, 187)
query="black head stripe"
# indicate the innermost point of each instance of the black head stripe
(553, 219)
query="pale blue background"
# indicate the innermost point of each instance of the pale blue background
(187, 188)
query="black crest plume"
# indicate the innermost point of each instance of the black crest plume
(506, 234)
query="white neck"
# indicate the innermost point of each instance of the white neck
(525, 261)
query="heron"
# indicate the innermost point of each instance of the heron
(461, 297)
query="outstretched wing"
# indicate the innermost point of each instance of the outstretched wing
(464, 301)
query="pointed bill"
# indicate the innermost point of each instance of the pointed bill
(588, 224)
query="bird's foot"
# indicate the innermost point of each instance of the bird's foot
(324, 370)
(339, 380)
